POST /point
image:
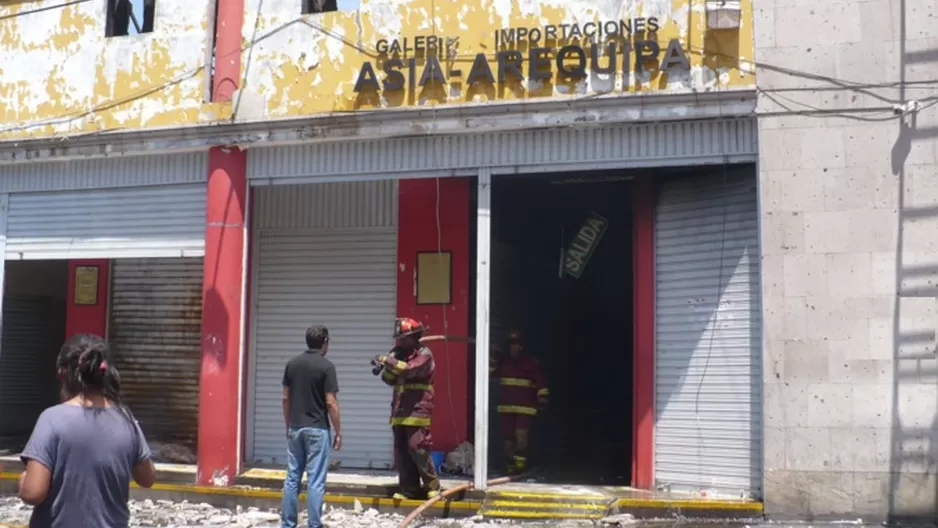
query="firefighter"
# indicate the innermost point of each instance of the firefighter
(523, 391)
(409, 369)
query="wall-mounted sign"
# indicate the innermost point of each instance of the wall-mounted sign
(86, 285)
(584, 244)
(609, 48)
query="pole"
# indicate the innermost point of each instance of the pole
(483, 284)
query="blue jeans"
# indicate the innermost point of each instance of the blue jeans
(307, 450)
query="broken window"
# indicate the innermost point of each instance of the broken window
(130, 17)
(319, 6)
(326, 6)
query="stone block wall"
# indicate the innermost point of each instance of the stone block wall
(849, 200)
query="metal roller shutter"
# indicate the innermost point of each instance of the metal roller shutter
(158, 221)
(345, 279)
(33, 331)
(708, 335)
(155, 333)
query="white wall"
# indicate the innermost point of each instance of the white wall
(850, 238)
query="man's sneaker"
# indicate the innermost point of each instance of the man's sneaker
(433, 494)
(400, 496)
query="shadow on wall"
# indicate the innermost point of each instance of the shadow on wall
(913, 444)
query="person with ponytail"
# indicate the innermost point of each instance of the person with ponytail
(84, 452)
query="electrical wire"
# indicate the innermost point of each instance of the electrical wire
(842, 84)
(42, 9)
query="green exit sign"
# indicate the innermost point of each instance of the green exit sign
(583, 245)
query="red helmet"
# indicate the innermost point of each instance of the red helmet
(405, 326)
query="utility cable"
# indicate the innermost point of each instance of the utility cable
(842, 84)
(42, 9)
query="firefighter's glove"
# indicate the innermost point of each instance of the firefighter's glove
(380, 360)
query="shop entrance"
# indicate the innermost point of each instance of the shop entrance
(34, 299)
(571, 293)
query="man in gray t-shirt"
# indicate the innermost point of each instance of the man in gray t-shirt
(91, 453)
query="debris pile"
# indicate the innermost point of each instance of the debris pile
(460, 460)
(170, 514)
(172, 453)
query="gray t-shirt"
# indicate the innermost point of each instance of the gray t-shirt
(91, 452)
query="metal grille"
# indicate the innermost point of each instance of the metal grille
(708, 336)
(125, 171)
(634, 145)
(155, 334)
(326, 205)
(33, 331)
(346, 280)
(164, 221)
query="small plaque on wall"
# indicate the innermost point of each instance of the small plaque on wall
(434, 273)
(86, 285)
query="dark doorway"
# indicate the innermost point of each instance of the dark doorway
(34, 304)
(579, 328)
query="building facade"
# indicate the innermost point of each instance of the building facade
(726, 243)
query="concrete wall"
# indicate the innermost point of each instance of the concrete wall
(309, 64)
(60, 75)
(850, 240)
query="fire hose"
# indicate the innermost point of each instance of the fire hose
(452, 491)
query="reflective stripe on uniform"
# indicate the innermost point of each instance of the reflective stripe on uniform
(398, 366)
(411, 421)
(517, 382)
(543, 392)
(388, 375)
(517, 409)
(413, 386)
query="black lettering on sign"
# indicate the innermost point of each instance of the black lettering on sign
(394, 78)
(578, 69)
(480, 71)
(509, 62)
(539, 64)
(366, 78)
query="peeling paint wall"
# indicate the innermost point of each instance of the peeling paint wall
(59, 75)
(308, 64)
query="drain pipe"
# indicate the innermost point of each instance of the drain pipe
(452, 491)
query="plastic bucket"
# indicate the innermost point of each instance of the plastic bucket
(438, 457)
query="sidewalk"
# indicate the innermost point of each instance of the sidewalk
(517, 501)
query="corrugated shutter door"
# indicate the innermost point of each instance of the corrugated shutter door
(156, 221)
(345, 279)
(32, 335)
(708, 336)
(155, 334)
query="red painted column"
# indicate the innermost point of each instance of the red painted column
(417, 232)
(220, 378)
(88, 319)
(643, 262)
(219, 410)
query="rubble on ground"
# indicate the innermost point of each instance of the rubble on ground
(169, 514)
(172, 453)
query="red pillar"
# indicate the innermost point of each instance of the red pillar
(417, 232)
(643, 259)
(220, 380)
(88, 318)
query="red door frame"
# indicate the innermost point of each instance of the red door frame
(643, 321)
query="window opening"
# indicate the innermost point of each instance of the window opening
(130, 17)
(327, 6)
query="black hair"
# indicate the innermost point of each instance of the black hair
(317, 336)
(85, 367)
